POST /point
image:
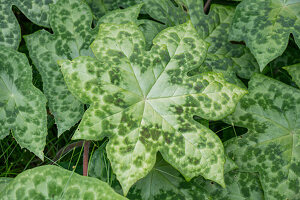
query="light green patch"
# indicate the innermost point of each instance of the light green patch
(294, 71)
(271, 146)
(35, 11)
(265, 26)
(71, 23)
(4, 181)
(22, 106)
(51, 182)
(144, 101)
(214, 28)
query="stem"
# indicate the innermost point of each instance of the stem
(67, 149)
(206, 6)
(86, 157)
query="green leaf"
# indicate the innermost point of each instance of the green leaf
(51, 182)
(265, 27)
(22, 106)
(4, 181)
(35, 11)
(150, 29)
(102, 7)
(71, 23)
(144, 101)
(214, 28)
(166, 11)
(271, 146)
(294, 71)
(239, 186)
(165, 182)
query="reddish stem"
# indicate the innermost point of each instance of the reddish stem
(86, 148)
(206, 6)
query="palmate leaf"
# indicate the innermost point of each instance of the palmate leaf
(71, 23)
(265, 26)
(36, 11)
(51, 182)
(214, 28)
(294, 71)
(144, 101)
(271, 112)
(22, 106)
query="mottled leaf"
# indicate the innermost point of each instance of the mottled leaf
(239, 186)
(294, 71)
(166, 11)
(36, 11)
(71, 23)
(271, 112)
(144, 101)
(51, 182)
(214, 28)
(102, 7)
(150, 29)
(22, 106)
(4, 182)
(265, 26)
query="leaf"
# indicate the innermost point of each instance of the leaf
(165, 182)
(294, 71)
(214, 28)
(239, 186)
(51, 182)
(150, 29)
(144, 101)
(265, 27)
(166, 11)
(71, 23)
(4, 181)
(102, 7)
(22, 106)
(271, 146)
(35, 11)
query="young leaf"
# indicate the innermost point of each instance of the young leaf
(271, 146)
(36, 11)
(214, 28)
(22, 106)
(51, 182)
(294, 71)
(71, 23)
(144, 101)
(265, 26)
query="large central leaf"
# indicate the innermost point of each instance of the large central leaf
(145, 102)
(271, 112)
(265, 26)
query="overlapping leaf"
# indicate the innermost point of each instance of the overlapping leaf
(265, 26)
(214, 28)
(51, 182)
(102, 7)
(22, 106)
(271, 112)
(165, 182)
(144, 101)
(71, 23)
(294, 71)
(36, 11)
